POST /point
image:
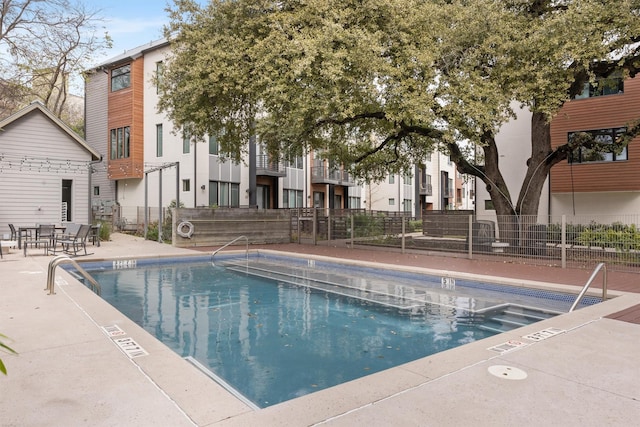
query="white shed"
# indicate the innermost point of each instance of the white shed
(45, 170)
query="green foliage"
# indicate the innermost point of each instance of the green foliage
(377, 85)
(368, 225)
(4, 347)
(619, 236)
(415, 226)
(105, 231)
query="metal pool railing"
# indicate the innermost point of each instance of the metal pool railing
(64, 259)
(586, 286)
(231, 243)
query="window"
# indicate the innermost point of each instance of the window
(354, 202)
(96, 190)
(292, 198)
(119, 141)
(406, 205)
(601, 136)
(213, 145)
(392, 202)
(186, 185)
(121, 77)
(224, 194)
(407, 179)
(186, 141)
(392, 179)
(610, 85)
(159, 140)
(159, 72)
(296, 162)
(488, 205)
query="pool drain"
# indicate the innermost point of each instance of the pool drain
(507, 372)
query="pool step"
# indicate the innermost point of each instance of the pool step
(512, 317)
(333, 283)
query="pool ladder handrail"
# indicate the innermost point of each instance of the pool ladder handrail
(600, 266)
(246, 254)
(64, 259)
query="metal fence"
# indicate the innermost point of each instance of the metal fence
(564, 241)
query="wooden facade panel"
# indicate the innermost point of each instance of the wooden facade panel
(601, 112)
(126, 109)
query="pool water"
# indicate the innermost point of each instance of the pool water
(275, 339)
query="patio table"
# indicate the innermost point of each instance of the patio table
(34, 229)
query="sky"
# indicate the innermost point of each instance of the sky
(130, 23)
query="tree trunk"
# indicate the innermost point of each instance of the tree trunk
(538, 166)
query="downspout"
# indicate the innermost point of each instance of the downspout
(90, 168)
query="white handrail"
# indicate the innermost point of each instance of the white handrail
(231, 243)
(586, 286)
(62, 259)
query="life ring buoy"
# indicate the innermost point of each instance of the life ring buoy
(181, 229)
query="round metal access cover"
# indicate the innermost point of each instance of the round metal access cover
(507, 372)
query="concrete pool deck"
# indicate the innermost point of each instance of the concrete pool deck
(73, 366)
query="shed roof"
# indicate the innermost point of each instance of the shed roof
(39, 106)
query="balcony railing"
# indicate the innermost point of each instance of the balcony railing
(426, 189)
(265, 165)
(448, 192)
(325, 175)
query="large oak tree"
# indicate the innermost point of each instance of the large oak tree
(379, 84)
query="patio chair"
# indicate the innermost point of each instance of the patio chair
(44, 236)
(72, 244)
(25, 234)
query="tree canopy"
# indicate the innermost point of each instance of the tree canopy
(44, 43)
(379, 84)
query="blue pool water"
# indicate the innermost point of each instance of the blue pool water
(295, 330)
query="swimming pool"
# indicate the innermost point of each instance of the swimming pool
(278, 327)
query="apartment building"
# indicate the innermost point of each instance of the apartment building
(596, 183)
(147, 160)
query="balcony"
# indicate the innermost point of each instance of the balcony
(448, 192)
(266, 166)
(426, 189)
(324, 175)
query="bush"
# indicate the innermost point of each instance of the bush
(617, 235)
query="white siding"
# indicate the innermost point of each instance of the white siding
(36, 156)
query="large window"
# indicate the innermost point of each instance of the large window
(601, 136)
(121, 77)
(119, 141)
(224, 194)
(296, 162)
(354, 202)
(159, 140)
(292, 198)
(611, 85)
(213, 145)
